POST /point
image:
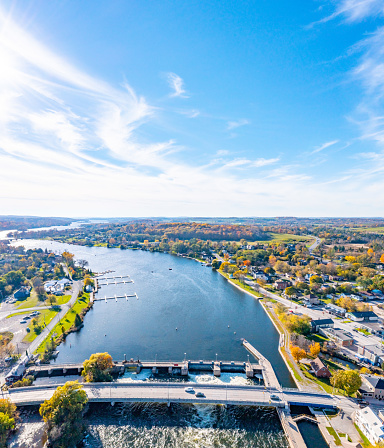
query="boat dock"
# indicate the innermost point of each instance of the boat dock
(115, 297)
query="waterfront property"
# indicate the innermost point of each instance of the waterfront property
(370, 424)
(321, 323)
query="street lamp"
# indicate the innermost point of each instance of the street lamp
(216, 357)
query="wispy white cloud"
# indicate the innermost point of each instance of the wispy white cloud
(353, 11)
(177, 85)
(237, 123)
(324, 146)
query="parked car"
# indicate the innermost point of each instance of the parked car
(8, 359)
(23, 321)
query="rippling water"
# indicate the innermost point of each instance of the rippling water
(180, 426)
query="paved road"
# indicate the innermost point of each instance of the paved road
(174, 392)
(5, 314)
(314, 245)
(76, 287)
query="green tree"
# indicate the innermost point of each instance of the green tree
(97, 368)
(290, 291)
(78, 321)
(216, 263)
(349, 380)
(8, 415)
(63, 414)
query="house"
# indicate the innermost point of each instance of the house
(320, 370)
(321, 323)
(335, 309)
(360, 316)
(311, 299)
(336, 278)
(370, 424)
(372, 386)
(366, 295)
(22, 293)
(340, 337)
(261, 276)
(281, 284)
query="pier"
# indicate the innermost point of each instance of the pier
(269, 375)
(115, 297)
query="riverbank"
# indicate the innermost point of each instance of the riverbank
(284, 342)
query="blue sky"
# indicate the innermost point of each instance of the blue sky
(192, 108)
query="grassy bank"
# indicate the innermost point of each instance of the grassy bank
(66, 323)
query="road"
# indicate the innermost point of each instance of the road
(314, 313)
(175, 392)
(76, 287)
(314, 245)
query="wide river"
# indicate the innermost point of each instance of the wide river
(211, 317)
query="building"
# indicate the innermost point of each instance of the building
(360, 316)
(320, 370)
(22, 293)
(281, 284)
(334, 309)
(311, 299)
(370, 424)
(321, 323)
(340, 337)
(372, 386)
(371, 354)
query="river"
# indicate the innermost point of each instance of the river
(173, 292)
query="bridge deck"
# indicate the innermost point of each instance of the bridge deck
(174, 392)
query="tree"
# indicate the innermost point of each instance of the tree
(314, 349)
(290, 291)
(51, 299)
(97, 368)
(68, 258)
(349, 380)
(63, 413)
(8, 415)
(78, 320)
(282, 267)
(298, 353)
(88, 282)
(216, 263)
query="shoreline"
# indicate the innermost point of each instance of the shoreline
(281, 335)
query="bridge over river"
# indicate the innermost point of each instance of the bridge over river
(175, 393)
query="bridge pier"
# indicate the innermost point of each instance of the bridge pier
(112, 403)
(168, 404)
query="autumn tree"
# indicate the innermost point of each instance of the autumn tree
(63, 414)
(349, 380)
(298, 353)
(314, 349)
(68, 258)
(8, 416)
(97, 368)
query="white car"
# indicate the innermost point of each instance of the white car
(189, 390)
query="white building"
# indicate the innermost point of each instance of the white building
(370, 424)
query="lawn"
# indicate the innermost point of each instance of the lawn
(67, 321)
(43, 319)
(322, 382)
(366, 443)
(242, 285)
(334, 435)
(30, 302)
(61, 300)
(317, 338)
